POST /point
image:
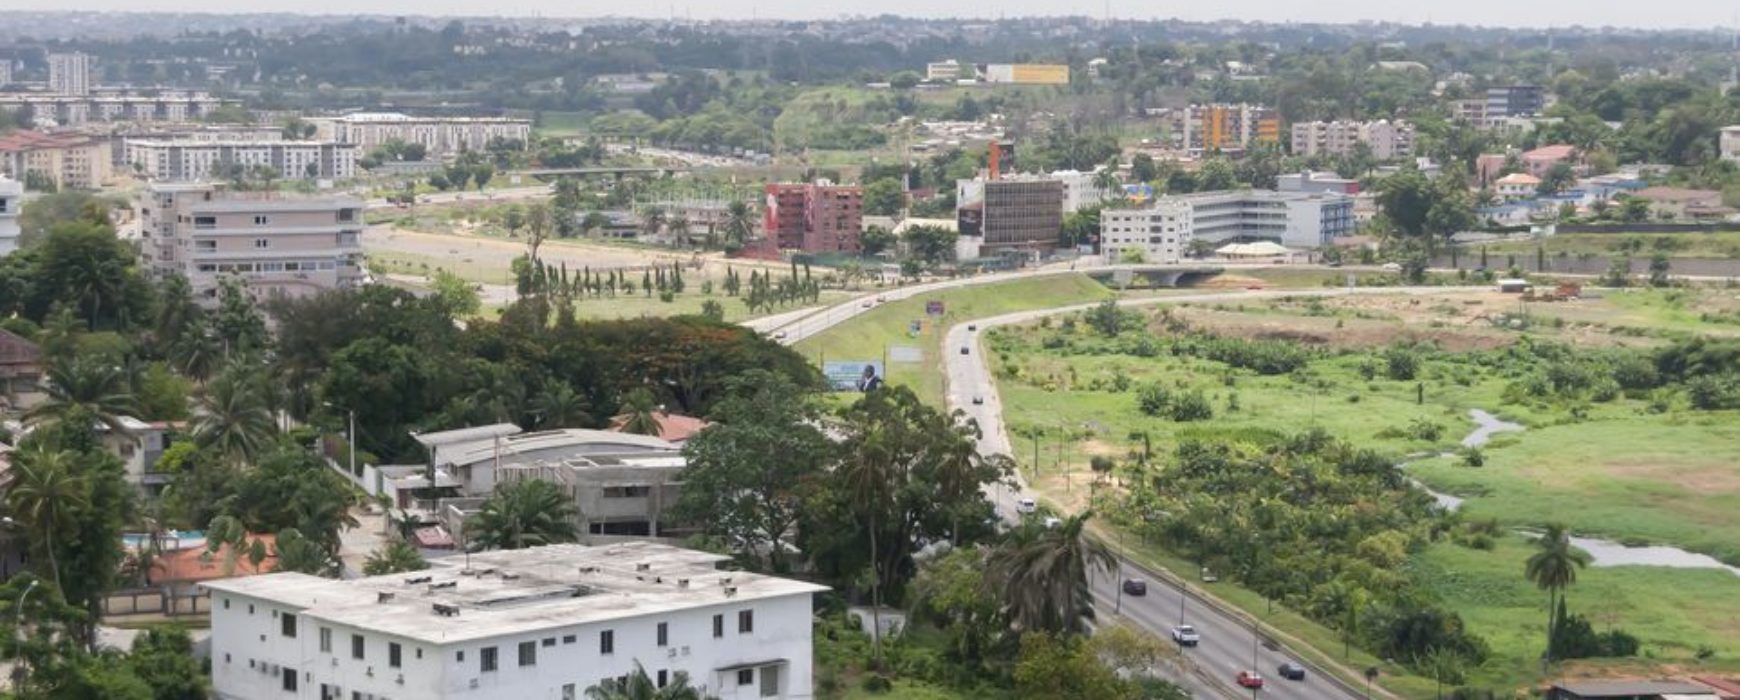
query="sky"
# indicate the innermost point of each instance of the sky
(1697, 14)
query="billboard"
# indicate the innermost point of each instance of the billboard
(853, 375)
(1026, 73)
(933, 307)
(971, 220)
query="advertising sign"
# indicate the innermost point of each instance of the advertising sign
(933, 307)
(853, 375)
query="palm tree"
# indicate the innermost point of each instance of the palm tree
(1042, 575)
(523, 514)
(739, 222)
(233, 415)
(43, 493)
(641, 412)
(559, 406)
(1106, 180)
(85, 386)
(1553, 568)
(639, 686)
(652, 222)
(396, 557)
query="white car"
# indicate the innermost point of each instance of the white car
(1186, 635)
(1392, 267)
(1053, 523)
(1026, 506)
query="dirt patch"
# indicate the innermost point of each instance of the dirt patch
(1326, 331)
(1227, 280)
(1692, 478)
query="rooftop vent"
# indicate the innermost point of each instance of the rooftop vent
(643, 566)
(509, 576)
(446, 610)
(443, 584)
(383, 596)
(682, 583)
(414, 580)
(724, 580)
(589, 569)
(730, 591)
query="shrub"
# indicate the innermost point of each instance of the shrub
(1191, 406)
(1472, 457)
(1153, 399)
(1425, 430)
(1401, 364)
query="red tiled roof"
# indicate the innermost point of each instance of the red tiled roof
(191, 565)
(1551, 152)
(31, 140)
(672, 427)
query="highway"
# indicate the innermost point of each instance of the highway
(1228, 640)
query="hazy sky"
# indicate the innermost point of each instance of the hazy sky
(1628, 13)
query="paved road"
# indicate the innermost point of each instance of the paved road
(504, 194)
(1228, 643)
(805, 325)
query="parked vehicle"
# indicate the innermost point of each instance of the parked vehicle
(964, 350)
(978, 400)
(1026, 505)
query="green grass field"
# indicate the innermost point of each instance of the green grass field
(1721, 244)
(1673, 612)
(869, 336)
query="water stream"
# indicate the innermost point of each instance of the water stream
(1601, 552)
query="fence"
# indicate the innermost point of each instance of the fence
(165, 601)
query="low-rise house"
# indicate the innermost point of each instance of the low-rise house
(1629, 690)
(1517, 186)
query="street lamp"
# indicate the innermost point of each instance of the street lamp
(18, 629)
(350, 437)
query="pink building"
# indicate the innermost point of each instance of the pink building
(1542, 159)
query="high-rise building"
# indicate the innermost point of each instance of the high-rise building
(5, 72)
(69, 73)
(1295, 219)
(1387, 140)
(1015, 213)
(819, 217)
(190, 160)
(543, 622)
(279, 246)
(1225, 127)
(11, 200)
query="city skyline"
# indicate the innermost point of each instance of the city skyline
(1675, 14)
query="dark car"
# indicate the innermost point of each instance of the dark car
(978, 400)
(963, 349)
(972, 326)
(1135, 586)
(1291, 671)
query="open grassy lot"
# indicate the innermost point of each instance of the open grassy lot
(1671, 478)
(1721, 244)
(1674, 612)
(870, 336)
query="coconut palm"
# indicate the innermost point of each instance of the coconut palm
(1042, 575)
(43, 493)
(559, 406)
(396, 557)
(85, 386)
(234, 416)
(522, 514)
(639, 686)
(641, 411)
(739, 222)
(1106, 180)
(1553, 568)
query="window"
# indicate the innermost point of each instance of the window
(627, 491)
(769, 681)
(528, 653)
(290, 679)
(664, 633)
(549, 641)
(250, 608)
(569, 638)
(664, 677)
(460, 655)
(607, 642)
(226, 603)
(745, 621)
(261, 220)
(326, 639)
(204, 246)
(394, 653)
(486, 660)
(746, 676)
(287, 625)
(356, 646)
(205, 222)
(718, 626)
(262, 243)
(568, 691)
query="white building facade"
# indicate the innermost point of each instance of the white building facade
(69, 73)
(440, 135)
(1387, 140)
(1730, 143)
(1160, 233)
(539, 623)
(280, 246)
(11, 201)
(1079, 190)
(190, 160)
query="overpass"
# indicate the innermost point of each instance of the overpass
(1154, 275)
(618, 172)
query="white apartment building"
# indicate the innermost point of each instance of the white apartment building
(1387, 140)
(546, 622)
(5, 72)
(11, 200)
(78, 110)
(1730, 143)
(440, 135)
(948, 71)
(188, 160)
(1079, 190)
(281, 246)
(1161, 233)
(69, 73)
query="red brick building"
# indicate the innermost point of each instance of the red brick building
(814, 218)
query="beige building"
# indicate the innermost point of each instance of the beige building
(69, 73)
(1730, 143)
(1387, 140)
(440, 135)
(281, 246)
(68, 161)
(191, 160)
(77, 110)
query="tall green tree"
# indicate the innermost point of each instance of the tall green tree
(641, 411)
(396, 557)
(522, 514)
(1553, 568)
(233, 414)
(639, 686)
(1043, 573)
(46, 493)
(88, 387)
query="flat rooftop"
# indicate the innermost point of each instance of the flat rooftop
(520, 591)
(552, 446)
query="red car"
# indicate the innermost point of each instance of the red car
(1250, 679)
